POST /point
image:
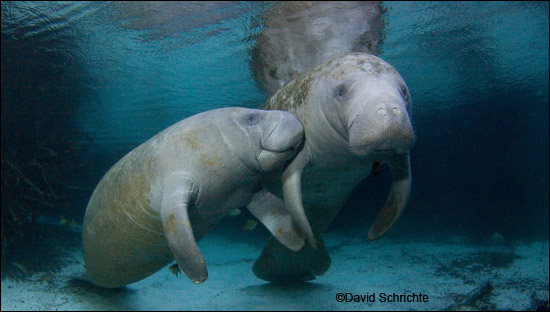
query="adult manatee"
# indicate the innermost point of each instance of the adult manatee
(356, 112)
(162, 197)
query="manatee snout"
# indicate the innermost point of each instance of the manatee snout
(285, 135)
(382, 125)
(282, 139)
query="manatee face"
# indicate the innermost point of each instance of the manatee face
(272, 137)
(369, 104)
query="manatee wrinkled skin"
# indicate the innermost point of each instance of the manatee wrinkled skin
(161, 198)
(356, 112)
(300, 35)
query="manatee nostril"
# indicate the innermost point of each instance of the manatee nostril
(396, 110)
(382, 111)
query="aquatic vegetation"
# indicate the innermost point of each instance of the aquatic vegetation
(41, 151)
(36, 185)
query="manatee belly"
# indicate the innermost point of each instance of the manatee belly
(324, 190)
(123, 239)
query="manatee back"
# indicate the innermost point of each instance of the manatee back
(298, 36)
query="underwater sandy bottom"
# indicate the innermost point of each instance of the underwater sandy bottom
(453, 274)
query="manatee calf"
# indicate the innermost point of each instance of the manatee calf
(161, 198)
(356, 112)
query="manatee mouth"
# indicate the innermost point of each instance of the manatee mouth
(290, 150)
(365, 149)
(296, 145)
(268, 158)
(283, 137)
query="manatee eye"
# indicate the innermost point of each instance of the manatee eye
(251, 119)
(341, 92)
(405, 94)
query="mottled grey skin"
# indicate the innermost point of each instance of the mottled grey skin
(300, 35)
(356, 111)
(161, 198)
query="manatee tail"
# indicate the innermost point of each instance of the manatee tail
(278, 263)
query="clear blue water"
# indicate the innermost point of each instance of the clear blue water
(144, 67)
(115, 74)
(478, 75)
(83, 83)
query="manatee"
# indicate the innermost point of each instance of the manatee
(161, 198)
(356, 113)
(300, 35)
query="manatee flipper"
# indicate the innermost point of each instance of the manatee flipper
(178, 195)
(277, 263)
(292, 192)
(397, 199)
(271, 212)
